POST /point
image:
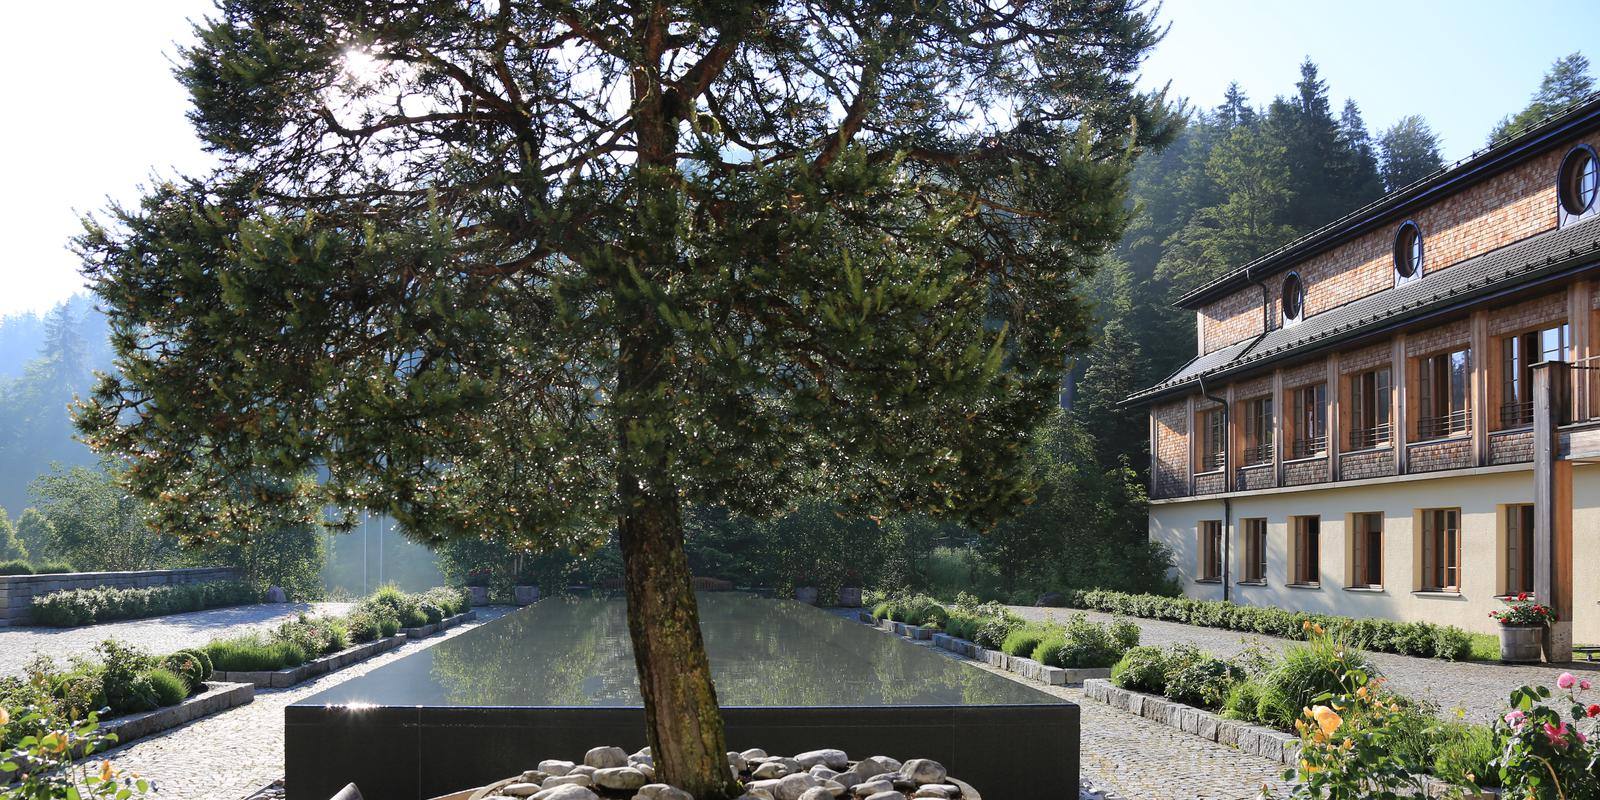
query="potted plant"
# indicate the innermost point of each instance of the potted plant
(1522, 624)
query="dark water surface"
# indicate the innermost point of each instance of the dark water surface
(764, 653)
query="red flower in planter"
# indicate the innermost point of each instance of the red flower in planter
(1593, 710)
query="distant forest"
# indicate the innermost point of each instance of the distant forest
(1244, 177)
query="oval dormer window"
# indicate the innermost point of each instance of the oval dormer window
(1408, 252)
(1294, 298)
(1580, 180)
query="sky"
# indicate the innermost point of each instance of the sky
(96, 111)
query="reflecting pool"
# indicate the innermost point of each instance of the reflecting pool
(764, 653)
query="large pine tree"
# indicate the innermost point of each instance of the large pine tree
(537, 269)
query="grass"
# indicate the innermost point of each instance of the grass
(1485, 647)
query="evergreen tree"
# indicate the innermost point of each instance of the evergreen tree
(542, 299)
(1410, 152)
(1361, 172)
(1326, 176)
(1567, 82)
(1235, 108)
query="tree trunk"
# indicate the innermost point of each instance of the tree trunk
(680, 702)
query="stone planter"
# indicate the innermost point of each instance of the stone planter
(478, 595)
(525, 595)
(850, 597)
(806, 594)
(1521, 644)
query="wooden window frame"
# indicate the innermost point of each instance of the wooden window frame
(1253, 551)
(1209, 551)
(1213, 440)
(1438, 414)
(1518, 544)
(1258, 431)
(1441, 550)
(1371, 409)
(1517, 353)
(1309, 421)
(1305, 562)
(1366, 546)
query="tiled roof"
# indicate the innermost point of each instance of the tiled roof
(1548, 253)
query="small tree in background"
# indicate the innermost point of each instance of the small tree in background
(541, 269)
(11, 547)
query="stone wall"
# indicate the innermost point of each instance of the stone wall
(17, 591)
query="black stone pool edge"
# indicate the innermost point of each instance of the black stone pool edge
(1008, 752)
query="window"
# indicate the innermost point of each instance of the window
(1310, 421)
(1579, 181)
(1210, 551)
(1369, 409)
(1305, 543)
(1366, 551)
(1258, 431)
(1441, 550)
(1519, 549)
(1255, 551)
(1407, 251)
(1518, 354)
(1211, 439)
(1293, 298)
(1444, 391)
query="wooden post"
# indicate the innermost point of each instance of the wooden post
(1280, 428)
(1478, 415)
(1335, 402)
(1397, 412)
(1552, 510)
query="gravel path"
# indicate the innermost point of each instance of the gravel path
(1479, 689)
(156, 634)
(238, 752)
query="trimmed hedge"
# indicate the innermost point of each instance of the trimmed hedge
(70, 608)
(1377, 635)
(18, 567)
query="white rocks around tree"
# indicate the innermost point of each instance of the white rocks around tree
(825, 774)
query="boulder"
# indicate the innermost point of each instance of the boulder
(276, 594)
(753, 754)
(832, 759)
(570, 779)
(816, 793)
(534, 776)
(567, 791)
(582, 769)
(870, 788)
(791, 787)
(736, 760)
(923, 771)
(890, 795)
(605, 757)
(939, 791)
(876, 765)
(554, 767)
(769, 770)
(661, 791)
(520, 789)
(620, 778)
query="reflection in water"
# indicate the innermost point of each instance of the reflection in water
(565, 653)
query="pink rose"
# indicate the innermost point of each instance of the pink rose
(1516, 718)
(1585, 684)
(1566, 680)
(1557, 734)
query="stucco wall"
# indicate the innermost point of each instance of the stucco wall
(1480, 498)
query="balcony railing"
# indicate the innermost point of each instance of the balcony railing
(1308, 447)
(1516, 415)
(1258, 454)
(1368, 438)
(1210, 462)
(1447, 425)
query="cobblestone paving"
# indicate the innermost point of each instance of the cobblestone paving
(1127, 757)
(1478, 689)
(158, 634)
(233, 754)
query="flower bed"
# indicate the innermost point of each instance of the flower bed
(1379, 635)
(74, 607)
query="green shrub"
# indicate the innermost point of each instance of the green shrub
(74, 607)
(364, 626)
(80, 690)
(431, 611)
(186, 665)
(1463, 750)
(962, 625)
(1204, 682)
(1051, 648)
(1141, 669)
(250, 653)
(881, 610)
(1243, 700)
(1022, 641)
(388, 626)
(996, 623)
(1413, 734)
(167, 688)
(52, 568)
(15, 567)
(205, 661)
(1405, 638)
(412, 616)
(1124, 634)
(124, 677)
(1305, 672)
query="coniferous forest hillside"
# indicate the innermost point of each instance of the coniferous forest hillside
(1244, 176)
